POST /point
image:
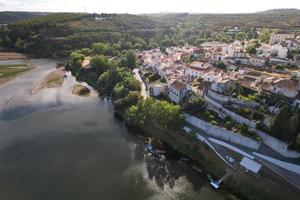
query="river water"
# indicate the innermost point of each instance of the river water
(57, 146)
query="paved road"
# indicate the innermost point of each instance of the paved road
(222, 152)
(144, 92)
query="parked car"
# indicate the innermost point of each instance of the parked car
(230, 159)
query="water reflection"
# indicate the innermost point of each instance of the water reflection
(59, 146)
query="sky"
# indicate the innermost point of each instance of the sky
(147, 6)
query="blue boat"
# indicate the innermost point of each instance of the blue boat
(149, 147)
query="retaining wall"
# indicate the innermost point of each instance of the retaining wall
(237, 118)
(222, 133)
(277, 145)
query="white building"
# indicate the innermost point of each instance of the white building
(250, 165)
(236, 50)
(281, 50)
(158, 88)
(286, 87)
(280, 37)
(196, 69)
(216, 57)
(177, 91)
(257, 61)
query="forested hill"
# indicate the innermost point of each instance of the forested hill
(281, 11)
(11, 16)
(280, 18)
(60, 33)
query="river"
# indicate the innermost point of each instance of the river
(58, 146)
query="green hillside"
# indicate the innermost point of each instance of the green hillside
(60, 33)
(11, 16)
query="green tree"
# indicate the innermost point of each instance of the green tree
(76, 60)
(251, 49)
(100, 63)
(265, 35)
(102, 49)
(131, 60)
(221, 65)
(284, 126)
(241, 36)
(159, 112)
(194, 105)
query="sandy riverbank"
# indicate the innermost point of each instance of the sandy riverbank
(53, 79)
(12, 56)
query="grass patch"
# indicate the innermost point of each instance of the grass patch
(11, 71)
(54, 80)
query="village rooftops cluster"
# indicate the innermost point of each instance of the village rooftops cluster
(240, 66)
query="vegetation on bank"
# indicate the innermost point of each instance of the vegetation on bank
(81, 90)
(54, 79)
(112, 77)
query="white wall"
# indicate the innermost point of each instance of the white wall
(223, 98)
(222, 133)
(277, 145)
(237, 118)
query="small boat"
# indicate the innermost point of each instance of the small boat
(149, 147)
(196, 169)
(185, 159)
(215, 184)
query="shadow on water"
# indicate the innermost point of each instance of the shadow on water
(166, 169)
(21, 111)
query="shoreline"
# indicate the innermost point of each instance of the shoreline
(265, 184)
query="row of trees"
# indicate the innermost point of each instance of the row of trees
(115, 80)
(286, 125)
(159, 112)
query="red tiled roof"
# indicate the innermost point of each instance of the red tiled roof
(178, 85)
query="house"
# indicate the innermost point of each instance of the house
(213, 76)
(281, 50)
(216, 57)
(222, 86)
(213, 45)
(158, 88)
(177, 91)
(196, 69)
(280, 37)
(264, 50)
(236, 60)
(286, 87)
(257, 61)
(236, 50)
(250, 165)
(293, 43)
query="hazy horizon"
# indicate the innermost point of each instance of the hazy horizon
(146, 7)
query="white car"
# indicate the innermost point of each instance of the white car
(187, 129)
(230, 159)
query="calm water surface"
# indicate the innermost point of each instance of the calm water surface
(79, 151)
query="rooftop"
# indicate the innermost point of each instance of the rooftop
(178, 85)
(250, 165)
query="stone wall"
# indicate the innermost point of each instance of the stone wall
(224, 99)
(222, 133)
(277, 145)
(237, 118)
